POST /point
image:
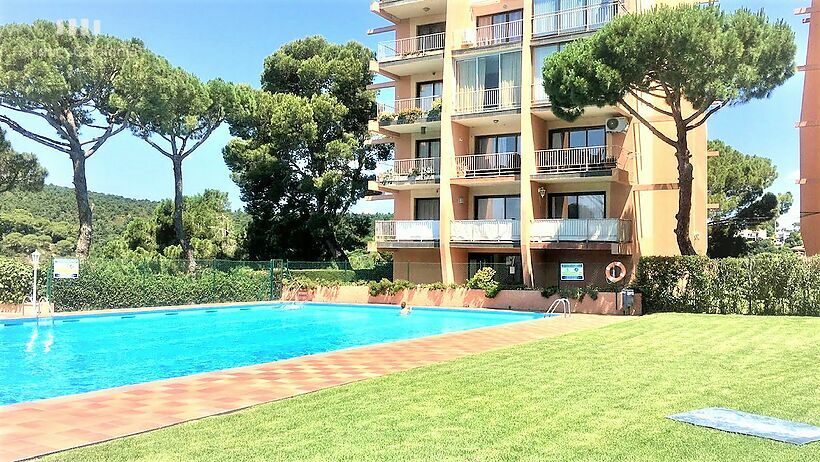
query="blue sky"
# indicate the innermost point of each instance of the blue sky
(230, 39)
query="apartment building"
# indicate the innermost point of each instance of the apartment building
(810, 137)
(485, 173)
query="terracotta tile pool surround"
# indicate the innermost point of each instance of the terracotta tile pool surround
(37, 428)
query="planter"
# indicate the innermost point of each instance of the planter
(520, 300)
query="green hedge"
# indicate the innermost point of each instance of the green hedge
(15, 280)
(331, 274)
(126, 284)
(769, 284)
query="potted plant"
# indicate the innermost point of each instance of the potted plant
(386, 118)
(409, 115)
(435, 111)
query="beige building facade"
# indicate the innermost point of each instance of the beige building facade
(486, 175)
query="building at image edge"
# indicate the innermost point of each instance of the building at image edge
(486, 175)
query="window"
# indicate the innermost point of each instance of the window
(497, 208)
(577, 205)
(582, 137)
(489, 82)
(495, 144)
(426, 149)
(500, 27)
(430, 29)
(427, 209)
(428, 92)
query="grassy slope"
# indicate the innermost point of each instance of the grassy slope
(595, 396)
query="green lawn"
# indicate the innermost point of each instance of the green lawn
(599, 395)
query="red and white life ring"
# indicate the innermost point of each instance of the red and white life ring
(610, 272)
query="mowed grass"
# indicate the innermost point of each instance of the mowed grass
(599, 395)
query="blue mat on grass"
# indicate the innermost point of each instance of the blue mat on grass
(751, 424)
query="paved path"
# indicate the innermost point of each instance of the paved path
(41, 427)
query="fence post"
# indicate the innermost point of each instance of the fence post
(48, 282)
(270, 272)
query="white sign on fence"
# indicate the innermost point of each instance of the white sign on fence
(572, 271)
(66, 268)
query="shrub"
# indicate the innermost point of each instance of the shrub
(15, 280)
(331, 274)
(128, 284)
(484, 279)
(766, 284)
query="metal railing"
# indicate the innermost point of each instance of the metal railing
(488, 99)
(409, 47)
(407, 230)
(574, 160)
(577, 20)
(408, 170)
(485, 230)
(581, 230)
(425, 103)
(483, 165)
(494, 34)
(539, 95)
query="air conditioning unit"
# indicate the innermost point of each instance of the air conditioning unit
(616, 124)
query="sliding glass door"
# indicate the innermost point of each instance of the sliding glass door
(489, 82)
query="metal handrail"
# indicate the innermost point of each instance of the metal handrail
(410, 46)
(425, 103)
(488, 99)
(573, 160)
(578, 19)
(581, 230)
(563, 303)
(490, 164)
(406, 230)
(504, 230)
(494, 34)
(400, 170)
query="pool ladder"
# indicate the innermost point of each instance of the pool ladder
(565, 305)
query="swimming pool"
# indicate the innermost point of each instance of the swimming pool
(77, 354)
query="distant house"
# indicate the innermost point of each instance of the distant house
(754, 234)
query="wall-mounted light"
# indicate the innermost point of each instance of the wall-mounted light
(426, 9)
(495, 121)
(542, 191)
(460, 200)
(423, 130)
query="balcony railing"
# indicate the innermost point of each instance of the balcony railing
(484, 165)
(494, 34)
(424, 103)
(485, 230)
(581, 230)
(409, 47)
(577, 20)
(410, 170)
(407, 230)
(488, 99)
(575, 160)
(539, 96)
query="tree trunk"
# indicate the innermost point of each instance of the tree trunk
(83, 207)
(685, 179)
(179, 206)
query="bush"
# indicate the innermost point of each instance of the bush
(484, 279)
(130, 284)
(15, 280)
(330, 274)
(767, 284)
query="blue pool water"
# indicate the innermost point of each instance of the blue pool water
(85, 353)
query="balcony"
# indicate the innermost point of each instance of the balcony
(494, 34)
(412, 47)
(407, 233)
(488, 100)
(485, 231)
(608, 230)
(576, 160)
(488, 165)
(395, 10)
(405, 173)
(409, 115)
(576, 20)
